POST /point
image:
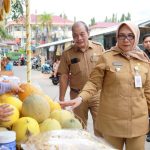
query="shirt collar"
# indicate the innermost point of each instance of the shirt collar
(90, 46)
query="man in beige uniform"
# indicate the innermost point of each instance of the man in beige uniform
(75, 67)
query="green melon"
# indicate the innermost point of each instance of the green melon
(72, 123)
(37, 107)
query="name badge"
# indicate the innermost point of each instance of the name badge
(138, 81)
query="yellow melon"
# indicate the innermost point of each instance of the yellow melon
(29, 89)
(61, 115)
(4, 96)
(25, 127)
(53, 105)
(49, 125)
(13, 101)
(12, 118)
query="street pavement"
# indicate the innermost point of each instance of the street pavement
(42, 81)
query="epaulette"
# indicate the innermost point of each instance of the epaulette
(97, 43)
(69, 47)
(106, 51)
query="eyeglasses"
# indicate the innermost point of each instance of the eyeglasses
(128, 37)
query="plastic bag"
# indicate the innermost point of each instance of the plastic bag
(66, 140)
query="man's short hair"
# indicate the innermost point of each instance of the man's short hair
(81, 22)
(145, 36)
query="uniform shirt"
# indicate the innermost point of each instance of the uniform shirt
(123, 109)
(79, 64)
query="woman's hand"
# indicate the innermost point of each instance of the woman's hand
(15, 88)
(5, 111)
(73, 103)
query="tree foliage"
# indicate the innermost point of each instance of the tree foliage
(115, 19)
(4, 34)
(93, 22)
(17, 9)
(46, 21)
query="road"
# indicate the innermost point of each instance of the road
(42, 81)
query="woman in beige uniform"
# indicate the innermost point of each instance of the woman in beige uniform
(123, 75)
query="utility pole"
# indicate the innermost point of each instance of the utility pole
(28, 43)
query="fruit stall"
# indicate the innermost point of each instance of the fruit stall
(39, 123)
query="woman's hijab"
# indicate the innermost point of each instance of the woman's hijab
(135, 52)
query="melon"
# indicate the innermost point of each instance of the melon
(13, 101)
(25, 127)
(4, 96)
(72, 123)
(12, 118)
(29, 89)
(61, 115)
(49, 125)
(36, 106)
(53, 105)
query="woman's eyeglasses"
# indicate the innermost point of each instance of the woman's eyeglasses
(128, 36)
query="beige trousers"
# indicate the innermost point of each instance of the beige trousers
(81, 111)
(135, 143)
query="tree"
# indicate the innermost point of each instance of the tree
(46, 20)
(106, 19)
(4, 34)
(123, 18)
(128, 17)
(17, 9)
(92, 21)
(113, 18)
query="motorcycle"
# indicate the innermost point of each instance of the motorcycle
(15, 63)
(46, 68)
(55, 80)
(36, 63)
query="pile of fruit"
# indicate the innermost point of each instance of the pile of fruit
(34, 113)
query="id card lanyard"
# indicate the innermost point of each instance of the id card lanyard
(137, 78)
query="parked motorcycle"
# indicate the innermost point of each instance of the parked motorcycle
(36, 63)
(15, 63)
(46, 68)
(55, 80)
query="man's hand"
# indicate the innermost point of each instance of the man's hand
(73, 103)
(5, 111)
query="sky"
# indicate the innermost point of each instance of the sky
(86, 9)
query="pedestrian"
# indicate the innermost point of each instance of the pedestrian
(75, 66)
(123, 75)
(146, 45)
(3, 63)
(55, 67)
(9, 65)
(5, 109)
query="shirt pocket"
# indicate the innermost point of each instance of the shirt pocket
(110, 75)
(94, 58)
(75, 68)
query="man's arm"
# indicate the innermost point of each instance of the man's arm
(64, 79)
